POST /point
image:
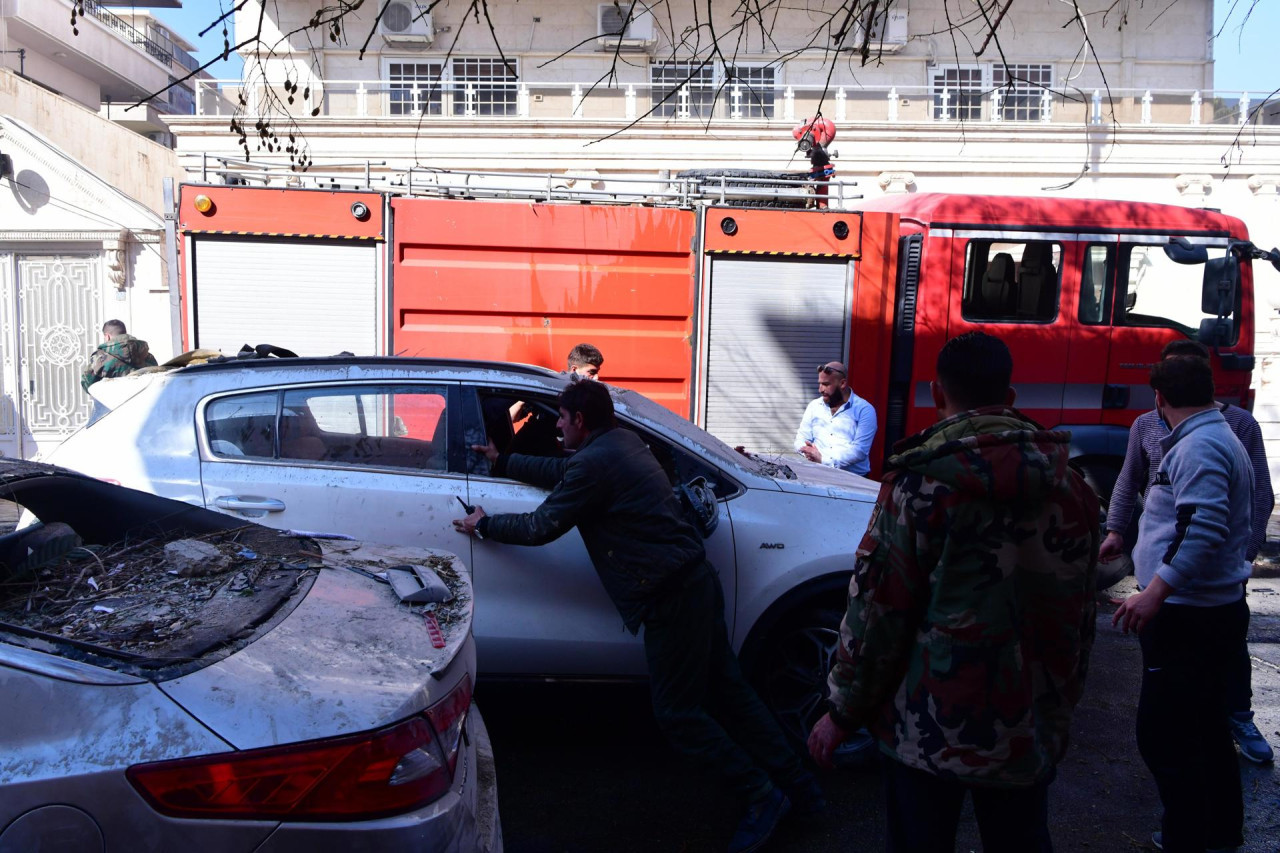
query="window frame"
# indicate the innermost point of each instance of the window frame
(453, 455)
(936, 74)
(1021, 93)
(1120, 313)
(971, 282)
(726, 487)
(449, 97)
(434, 100)
(1107, 300)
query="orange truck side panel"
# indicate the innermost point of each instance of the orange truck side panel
(263, 212)
(280, 212)
(782, 232)
(526, 282)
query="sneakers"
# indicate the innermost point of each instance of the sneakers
(760, 821)
(806, 796)
(1253, 746)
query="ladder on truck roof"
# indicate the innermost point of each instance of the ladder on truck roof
(738, 187)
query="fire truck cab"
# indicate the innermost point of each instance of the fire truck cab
(1086, 293)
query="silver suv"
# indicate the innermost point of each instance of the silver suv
(378, 448)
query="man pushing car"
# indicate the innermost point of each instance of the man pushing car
(653, 565)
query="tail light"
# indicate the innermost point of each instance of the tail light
(356, 777)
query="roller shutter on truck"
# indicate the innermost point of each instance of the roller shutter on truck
(771, 323)
(314, 297)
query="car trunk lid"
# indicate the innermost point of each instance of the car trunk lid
(350, 657)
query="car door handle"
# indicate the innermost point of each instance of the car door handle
(249, 503)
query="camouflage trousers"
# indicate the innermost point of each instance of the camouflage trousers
(701, 700)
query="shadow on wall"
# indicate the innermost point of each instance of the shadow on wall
(30, 191)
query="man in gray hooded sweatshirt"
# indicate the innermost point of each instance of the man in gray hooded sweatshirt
(1191, 616)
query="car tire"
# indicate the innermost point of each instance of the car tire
(789, 669)
(1101, 477)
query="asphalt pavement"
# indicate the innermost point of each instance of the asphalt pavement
(583, 768)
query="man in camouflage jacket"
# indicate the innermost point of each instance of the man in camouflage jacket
(119, 355)
(971, 614)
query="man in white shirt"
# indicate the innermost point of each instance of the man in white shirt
(837, 428)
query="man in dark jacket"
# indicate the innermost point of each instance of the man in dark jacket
(971, 615)
(653, 565)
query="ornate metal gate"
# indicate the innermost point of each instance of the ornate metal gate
(58, 318)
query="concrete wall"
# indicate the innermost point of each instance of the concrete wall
(1140, 45)
(133, 164)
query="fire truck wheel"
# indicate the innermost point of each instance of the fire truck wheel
(789, 670)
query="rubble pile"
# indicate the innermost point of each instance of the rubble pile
(164, 598)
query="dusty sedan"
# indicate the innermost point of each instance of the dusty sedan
(380, 447)
(175, 679)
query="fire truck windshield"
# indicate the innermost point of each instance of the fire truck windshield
(1159, 292)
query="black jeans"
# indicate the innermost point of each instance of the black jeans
(1187, 654)
(700, 697)
(923, 811)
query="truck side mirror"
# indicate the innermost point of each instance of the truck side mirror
(1180, 251)
(1220, 284)
(1216, 331)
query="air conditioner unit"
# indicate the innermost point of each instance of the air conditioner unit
(405, 23)
(888, 29)
(624, 25)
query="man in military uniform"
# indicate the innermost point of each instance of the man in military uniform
(120, 354)
(971, 615)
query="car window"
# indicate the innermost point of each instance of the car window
(365, 426)
(528, 426)
(243, 425)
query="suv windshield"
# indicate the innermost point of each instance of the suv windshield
(695, 436)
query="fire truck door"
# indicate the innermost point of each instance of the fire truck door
(1012, 289)
(314, 297)
(1154, 301)
(1089, 277)
(770, 323)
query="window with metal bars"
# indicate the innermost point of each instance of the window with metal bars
(755, 90)
(415, 88)
(963, 86)
(669, 78)
(1021, 90)
(484, 87)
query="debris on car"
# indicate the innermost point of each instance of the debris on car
(169, 592)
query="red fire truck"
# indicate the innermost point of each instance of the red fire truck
(723, 311)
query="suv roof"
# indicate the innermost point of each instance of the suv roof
(257, 363)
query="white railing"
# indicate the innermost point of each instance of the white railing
(738, 102)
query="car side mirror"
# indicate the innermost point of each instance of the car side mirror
(1130, 300)
(1180, 251)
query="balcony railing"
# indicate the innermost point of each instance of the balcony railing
(157, 46)
(553, 101)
